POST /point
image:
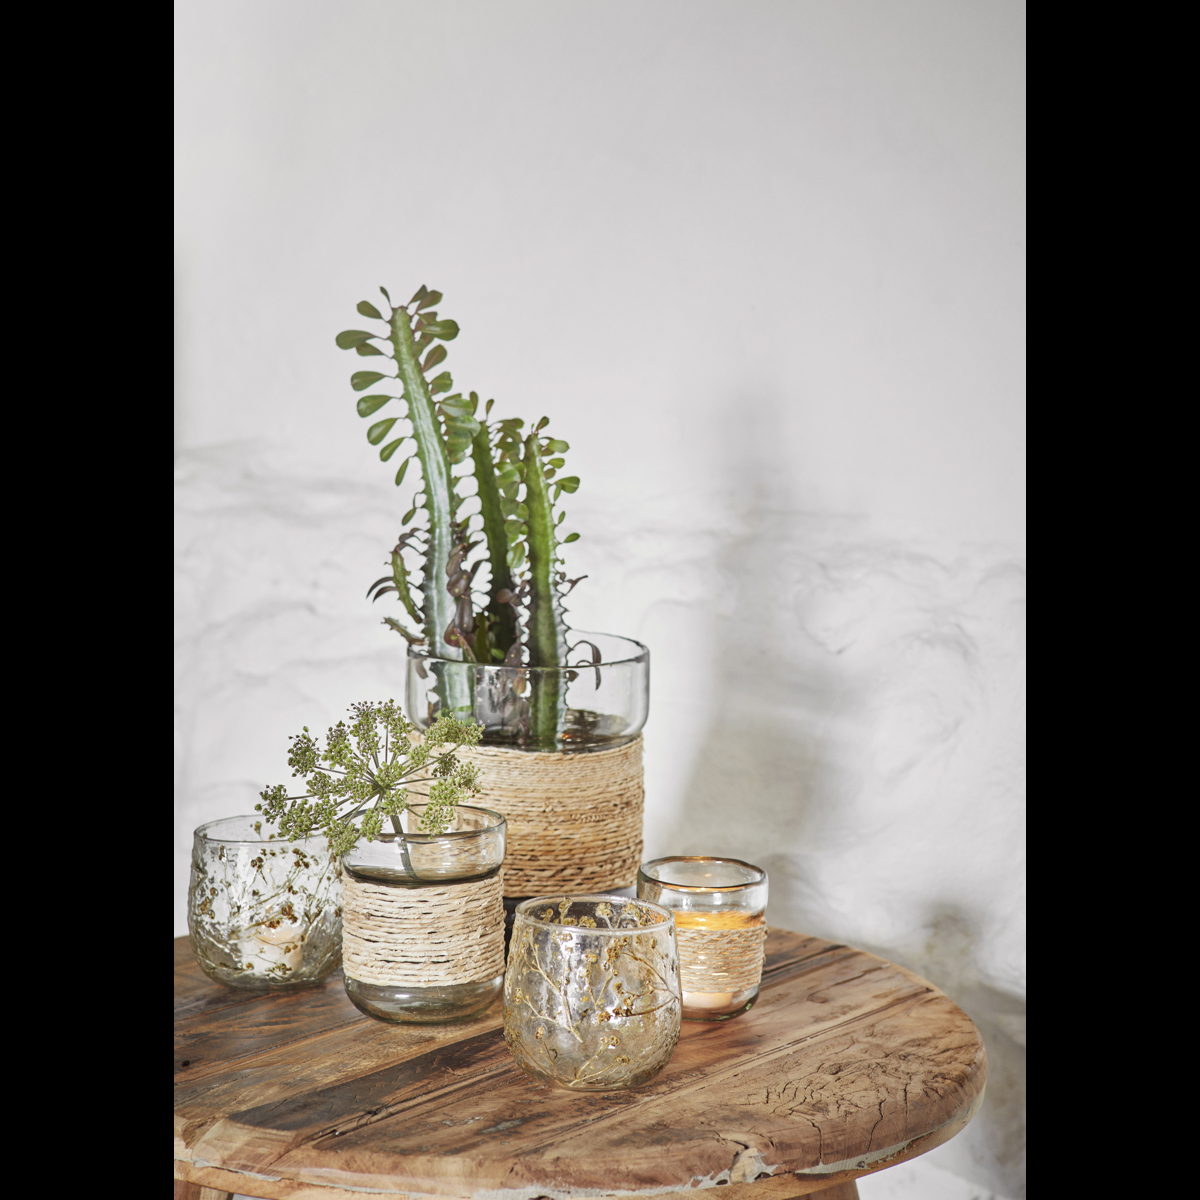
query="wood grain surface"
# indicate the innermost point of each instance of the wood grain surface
(846, 1065)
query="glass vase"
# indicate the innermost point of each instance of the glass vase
(591, 997)
(720, 918)
(599, 700)
(423, 933)
(263, 912)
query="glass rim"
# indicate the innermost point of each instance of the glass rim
(523, 910)
(499, 823)
(702, 858)
(642, 655)
(277, 839)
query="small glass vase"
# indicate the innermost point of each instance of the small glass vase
(720, 918)
(263, 912)
(591, 997)
(598, 701)
(423, 930)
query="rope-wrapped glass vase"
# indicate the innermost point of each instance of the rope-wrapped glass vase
(423, 919)
(719, 906)
(561, 755)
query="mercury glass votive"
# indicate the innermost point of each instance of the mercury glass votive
(591, 994)
(719, 905)
(263, 912)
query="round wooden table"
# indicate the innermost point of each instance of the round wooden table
(846, 1065)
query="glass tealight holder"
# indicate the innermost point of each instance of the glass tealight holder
(719, 905)
(591, 997)
(423, 920)
(263, 912)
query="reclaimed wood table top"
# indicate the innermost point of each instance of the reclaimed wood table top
(846, 1065)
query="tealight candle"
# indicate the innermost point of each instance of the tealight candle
(719, 907)
(279, 950)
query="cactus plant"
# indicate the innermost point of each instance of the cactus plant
(519, 619)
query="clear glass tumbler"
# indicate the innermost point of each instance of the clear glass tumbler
(263, 912)
(423, 930)
(720, 918)
(599, 700)
(591, 998)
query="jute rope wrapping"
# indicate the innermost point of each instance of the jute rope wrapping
(433, 936)
(720, 960)
(574, 820)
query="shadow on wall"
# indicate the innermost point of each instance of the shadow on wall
(862, 753)
(991, 1150)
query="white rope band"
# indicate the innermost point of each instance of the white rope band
(433, 936)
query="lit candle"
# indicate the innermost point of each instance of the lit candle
(266, 950)
(719, 908)
(708, 956)
(708, 999)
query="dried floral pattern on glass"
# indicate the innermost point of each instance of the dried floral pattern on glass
(263, 911)
(591, 997)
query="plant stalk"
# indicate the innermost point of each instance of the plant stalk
(505, 626)
(547, 631)
(435, 468)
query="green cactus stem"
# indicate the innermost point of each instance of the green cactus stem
(547, 631)
(517, 483)
(439, 606)
(501, 630)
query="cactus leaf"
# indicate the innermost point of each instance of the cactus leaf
(379, 430)
(367, 309)
(365, 351)
(392, 623)
(571, 537)
(349, 338)
(447, 331)
(361, 380)
(403, 468)
(440, 383)
(390, 449)
(435, 356)
(369, 404)
(400, 582)
(431, 298)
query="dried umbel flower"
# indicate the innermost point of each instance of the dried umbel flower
(358, 781)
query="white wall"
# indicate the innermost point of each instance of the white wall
(761, 263)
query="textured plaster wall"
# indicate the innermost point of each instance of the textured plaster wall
(761, 265)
